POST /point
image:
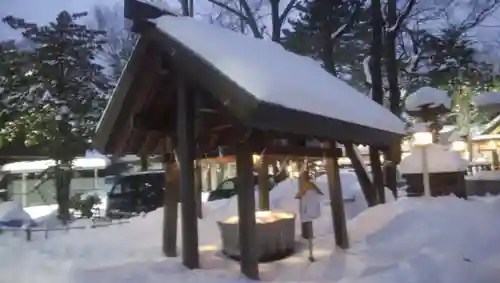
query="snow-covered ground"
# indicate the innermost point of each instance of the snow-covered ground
(410, 240)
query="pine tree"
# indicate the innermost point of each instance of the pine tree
(67, 91)
(349, 23)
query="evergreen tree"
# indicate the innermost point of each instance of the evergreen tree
(67, 91)
(349, 38)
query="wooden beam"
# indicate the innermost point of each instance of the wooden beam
(138, 93)
(247, 227)
(186, 155)
(336, 202)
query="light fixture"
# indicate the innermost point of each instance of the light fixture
(458, 145)
(422, 138)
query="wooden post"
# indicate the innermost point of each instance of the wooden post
(199, 188)
(170, 200)
(144, 163)
(336, 202)
(186, 156)
(264, 185)
(495, 163)
(246, 212)
(306, 228)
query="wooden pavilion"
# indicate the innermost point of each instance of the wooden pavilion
(175, 95)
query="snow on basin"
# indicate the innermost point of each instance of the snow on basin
(440, 159)
(427, 96)
(264, 69)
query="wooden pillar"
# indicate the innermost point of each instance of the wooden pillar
(336, 202)
(144, 163)
(186, 156)
(170, 207)
(306, 228)
(264, 185)
(199, 188)
(495, 163)
(246, 212)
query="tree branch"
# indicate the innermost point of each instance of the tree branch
(230, 9)
(344, 28)
(402, 17)
(250, 19)
(286, 11)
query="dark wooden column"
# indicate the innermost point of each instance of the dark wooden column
(264, 185)
(186, 156)
(199, 188)
(170, 207)
(336, 201)
(246, 212)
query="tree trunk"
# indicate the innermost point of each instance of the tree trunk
(393, 153)
(63, 175)
(377, 89)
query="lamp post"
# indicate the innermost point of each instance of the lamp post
(423, 140)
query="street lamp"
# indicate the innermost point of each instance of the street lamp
(423, 140)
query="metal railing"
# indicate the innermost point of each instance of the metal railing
(28, 230)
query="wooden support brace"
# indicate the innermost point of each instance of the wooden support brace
(336, 202)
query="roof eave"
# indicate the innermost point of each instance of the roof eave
(110, 113)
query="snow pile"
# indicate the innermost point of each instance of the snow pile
(39, 211)
(439, 158)
(13, 215)
(264, 68)
(485, 175)
(427, 97)
(418, 241)
(487, 99)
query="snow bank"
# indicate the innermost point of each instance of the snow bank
(427, 96)
(264, 69)
(440, 159)
(13, 215)
(487, 99)
(39, 211)
(485, 175)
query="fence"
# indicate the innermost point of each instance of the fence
(28, 230)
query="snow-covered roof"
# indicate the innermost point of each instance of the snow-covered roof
(40, 165)
(427, 97)
(274, 75)
(258, 81)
